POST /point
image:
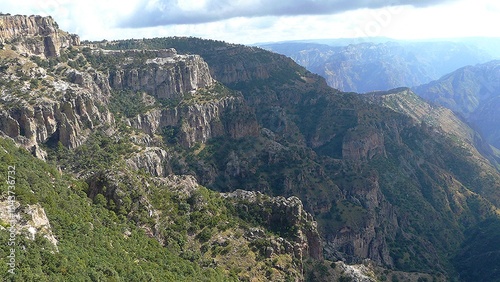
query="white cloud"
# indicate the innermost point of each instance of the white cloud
(95, 20)
(458, 19)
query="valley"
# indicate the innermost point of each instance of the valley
(186, 159)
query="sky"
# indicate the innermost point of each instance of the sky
(257, 21)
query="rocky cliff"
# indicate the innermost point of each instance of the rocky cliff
(287, 217)
(75, 97)
(382, 184)
(363, 144)
(68, 114)
(26, 220)
(197, 123)
(68, 121)
(35, 35)
(165, 74)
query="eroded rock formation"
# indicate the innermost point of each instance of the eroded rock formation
(35, 35)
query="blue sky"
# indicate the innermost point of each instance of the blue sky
(251, 21)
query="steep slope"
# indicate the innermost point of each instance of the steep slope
(121, 225)
(35, 35)
(107, 122)
(474, 93)
(369, 67)
(383, 183)
(385, 187)
(443, 119)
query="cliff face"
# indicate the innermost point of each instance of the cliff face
(81, 96)
(74, 109)
(197, 123)
(382, 184)
(27, 220)
(363, 144)
(152, 160)
(166, 76)
(204, 110)
(369, 237)
(35, 35)
(231, 66)
(287, 217)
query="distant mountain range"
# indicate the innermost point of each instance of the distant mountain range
(365, 67)
(459, 74)
(472, 92)
(490, 45)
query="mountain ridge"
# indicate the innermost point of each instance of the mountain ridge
(384, 186)
(365, 67)
(471, 92)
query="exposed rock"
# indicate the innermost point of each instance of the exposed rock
(286, 215)
(151, 160)
(197, 123)
(66, 113)
(365, 240)
(357, 273)
(362, 144)
(35, 35)
(29, 220)
(9, 125)
(166, 76)
(68, 120)
(183, 184)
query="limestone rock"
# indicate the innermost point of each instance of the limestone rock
(35, 35)
(29, 220)
(197, 123)
(67, 120)
(280, 214)
(366, 240)
(151, 160)
(362, 144)
(166, 76)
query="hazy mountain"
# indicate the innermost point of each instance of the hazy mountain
(489, 44)
(474, 93)
(334, 41)
(370, 66)
(127, 135)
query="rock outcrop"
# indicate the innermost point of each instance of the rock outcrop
(66, 121)
(197, 123)
(35, 35)
(29, 220)
(365, 240)
(152, 160)
(287, 217)
(166, 75)
(362, 144)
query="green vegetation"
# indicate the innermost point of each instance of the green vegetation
(104, 225)
(477, 259)
(182, 44)
(100, 152)
(127, 103)
(94, 243)
(364, 171)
